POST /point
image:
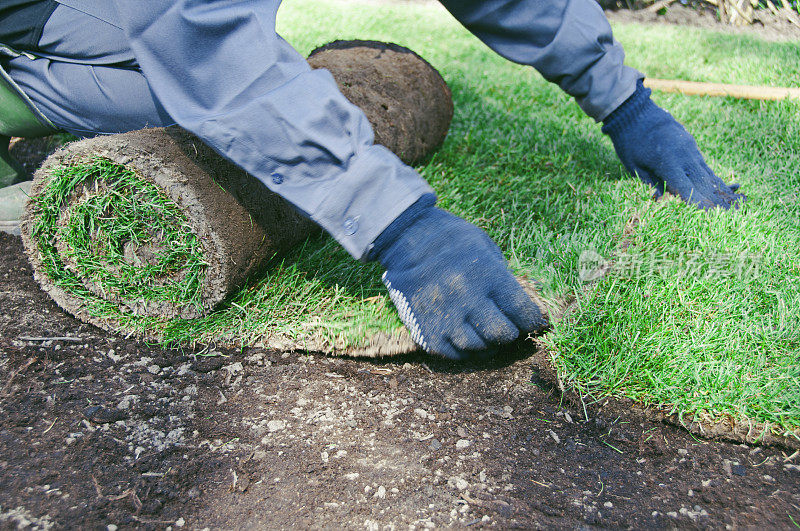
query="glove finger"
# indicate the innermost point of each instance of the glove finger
(484, 353)
(647, 178)
(690, 184)
(738, 199)
(733, 200)
(493, 326)
(709, 191)
(724, 195)
(517, 306)
(687, 175)
(465, 340)
(729, 191)
(446, 350)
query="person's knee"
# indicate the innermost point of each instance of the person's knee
(87, 100)
(85, 78)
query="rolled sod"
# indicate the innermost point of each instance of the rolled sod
(405, 99)
(150, 223)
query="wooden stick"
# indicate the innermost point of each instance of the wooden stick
(658, 5)
(695, 88)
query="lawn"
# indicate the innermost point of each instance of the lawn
(699, 312)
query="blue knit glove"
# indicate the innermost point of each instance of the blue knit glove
(451, 284)
(661, 152)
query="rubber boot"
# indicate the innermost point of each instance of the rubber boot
(11, 171)
(12, 205)
(18, 117)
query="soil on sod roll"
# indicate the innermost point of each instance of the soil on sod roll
(150, 223)
(405, 99)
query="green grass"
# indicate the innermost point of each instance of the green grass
(693, 54)
(704, 317)
(701, 312)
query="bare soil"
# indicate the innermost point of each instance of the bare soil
(99, 430)
(766, 25)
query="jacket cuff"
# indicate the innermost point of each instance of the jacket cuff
(399, 225)
(375, 190)
(598, 105)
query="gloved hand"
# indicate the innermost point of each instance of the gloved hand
(661, 152)
(451, 284)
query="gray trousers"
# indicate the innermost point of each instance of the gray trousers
(218, 69)
(86, 79)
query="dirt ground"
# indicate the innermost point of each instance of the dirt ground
(766, 25)
(101, 431)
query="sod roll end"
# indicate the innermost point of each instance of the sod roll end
(405, 99)
(152, 222)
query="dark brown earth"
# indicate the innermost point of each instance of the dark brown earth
(100, 430)
(766, 25)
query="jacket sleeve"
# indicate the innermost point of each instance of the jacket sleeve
(568, 41)
(222, 72)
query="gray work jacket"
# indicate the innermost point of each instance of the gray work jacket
(222, 72)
